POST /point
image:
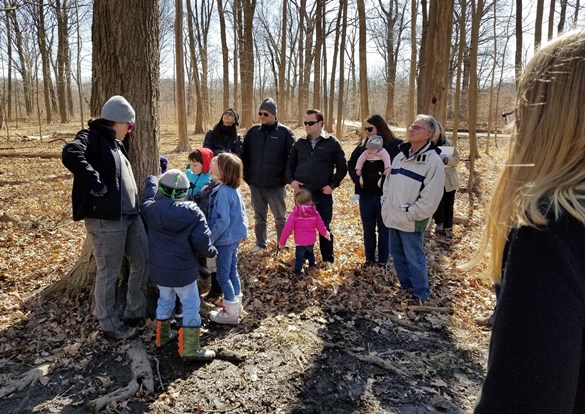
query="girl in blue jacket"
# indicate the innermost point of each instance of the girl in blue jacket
(229, 225)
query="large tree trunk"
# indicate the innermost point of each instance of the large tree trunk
(477, 12)
(434, 75)
(121, 68)
(183, 145)
(412, 76)
(44, 61)
(319, 40)
(340, 97)
(336, 47)
(224, 55)
(61, 59)
(195, 67)
(247, 62)
(282, 67)
(364, 106)
(538, 24)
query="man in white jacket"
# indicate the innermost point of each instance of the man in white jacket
(411, 195)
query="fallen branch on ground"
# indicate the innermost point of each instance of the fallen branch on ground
(382, 363)
(423, 308)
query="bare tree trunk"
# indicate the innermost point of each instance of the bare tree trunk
(341, 86)
(24, 66)
(10, 60)
(224, 55)
(457, 100)
(364, 106)
(42, 38)
(301, 63)
(183, 145)
(238, 36)
(202, 21)
(412, 77)
(319, 40)
(336, 47)
(518, 53)
(247, 62)
(477, 11)
(195, 67)
(79, 79)
(562, 16)
(282, 67)
(61, 59)
(492, 84)
(538, 24)
(551, 19)
(435, 70)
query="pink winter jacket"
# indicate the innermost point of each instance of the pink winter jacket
(304, 221)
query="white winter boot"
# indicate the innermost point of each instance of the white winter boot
(240, 299)
(228, 314)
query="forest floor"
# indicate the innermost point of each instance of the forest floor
(339, 340)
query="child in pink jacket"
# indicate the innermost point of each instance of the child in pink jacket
(305, 221)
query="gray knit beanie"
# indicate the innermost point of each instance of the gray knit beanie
(117, 109)
(270, 105)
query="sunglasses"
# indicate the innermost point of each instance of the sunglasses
(368, 129)
(130, 126)
(263, 114)
(230, 113)
(310, 123)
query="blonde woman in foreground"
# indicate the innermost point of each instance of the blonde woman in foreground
(537, 350)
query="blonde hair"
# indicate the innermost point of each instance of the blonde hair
(304, 197)
(545, 168)
(231, 169)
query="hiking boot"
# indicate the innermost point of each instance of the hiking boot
(122, 333)
(215, 290)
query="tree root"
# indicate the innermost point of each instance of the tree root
(28, 378)
(142, 377)
(382, 363)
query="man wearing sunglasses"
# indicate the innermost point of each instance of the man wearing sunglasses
(317, 163)
(265, 153)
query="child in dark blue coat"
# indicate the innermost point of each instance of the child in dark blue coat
(177, 235)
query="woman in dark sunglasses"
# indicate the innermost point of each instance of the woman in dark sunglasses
(369, 189)
(224, 136)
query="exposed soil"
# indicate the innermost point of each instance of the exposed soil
(341, 339)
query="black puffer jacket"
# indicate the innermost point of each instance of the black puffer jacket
(94, 159)
(317, 167)
(224, 142)
(266, 150)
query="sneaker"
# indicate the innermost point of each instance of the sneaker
(258, 249)
(122, 333)
(368, 264)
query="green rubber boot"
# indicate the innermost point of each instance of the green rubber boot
(164, 333)
(189, 348)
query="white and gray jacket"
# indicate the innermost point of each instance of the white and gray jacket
(414, 188)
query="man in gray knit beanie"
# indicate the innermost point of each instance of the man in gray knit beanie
(118, 109)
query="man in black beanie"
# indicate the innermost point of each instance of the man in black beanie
(266, 148)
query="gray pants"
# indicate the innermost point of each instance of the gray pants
(262, 198)
(112, 241)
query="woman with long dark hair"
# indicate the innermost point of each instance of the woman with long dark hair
(369, 188)
(224, 136)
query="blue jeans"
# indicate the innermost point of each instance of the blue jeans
(371, 214)
(113, 240)
(189, 297)
(324, 205)
(410, 262)
(227, 271)
(302, 253)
